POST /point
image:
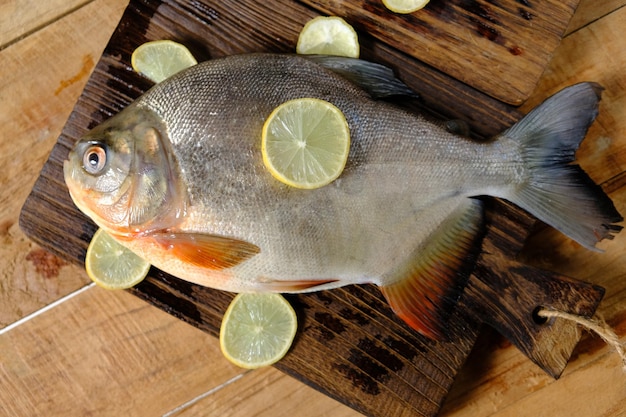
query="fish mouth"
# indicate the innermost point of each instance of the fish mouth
(74, 187)
(112, 212)
(69, 177)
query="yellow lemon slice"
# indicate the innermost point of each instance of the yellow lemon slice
(257, 329)
(305, 143)
(111, 265)
(328, 36)
(405, 6)
(158, 60)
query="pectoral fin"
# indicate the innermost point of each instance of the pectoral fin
(426, 289)
(205, 250)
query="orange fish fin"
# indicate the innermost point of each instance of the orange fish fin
(205, 250)
(428, 288)
(293, 286)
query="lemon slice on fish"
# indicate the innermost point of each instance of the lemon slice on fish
(328, 36)
(305, 143)
(405, 6)
(158, 60)
(257, 329)
(111, 265)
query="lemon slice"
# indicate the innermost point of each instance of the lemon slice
(111, 265)
(405, 6)
(305, 143)
(257, 329)
(158, 60)
(328, 36)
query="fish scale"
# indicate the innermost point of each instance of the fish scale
(403, 215)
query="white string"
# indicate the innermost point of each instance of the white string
(204, 395)
(44, 309)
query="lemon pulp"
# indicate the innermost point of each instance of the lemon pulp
(257, 329)
(305, 143)
(158, 60)
(328, 36)
(111, 265)
(405, 6)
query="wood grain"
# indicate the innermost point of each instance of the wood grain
(82, 362)
(267, 392)
(22, 17)
(592, 53)
(508, 40)
(590, 11)
(35, 105)
(497, 380)
(506, 294)
(351, 346)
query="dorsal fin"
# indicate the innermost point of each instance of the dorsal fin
(427, 288)
(378, 80)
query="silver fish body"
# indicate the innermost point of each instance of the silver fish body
(402, 214)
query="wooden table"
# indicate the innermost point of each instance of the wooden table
(111, 354)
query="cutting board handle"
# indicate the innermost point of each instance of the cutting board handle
(509, 299)
(507, 294)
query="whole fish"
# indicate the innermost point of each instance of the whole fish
(178, 177)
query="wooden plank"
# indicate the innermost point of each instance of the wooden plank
(598, 365)
(591, 10)
(106, 353)
(510, 40)
(594, 53)
(581, 394)
(267, 393)
(499, 381)
(31, 278)
(351, 345)
(344, 345)
(22, 17)
(502, 382)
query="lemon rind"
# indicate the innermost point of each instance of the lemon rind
(308, 185)
(418, 5)
(185, 57)
(275, 358)
(102, 281)
(352, 49)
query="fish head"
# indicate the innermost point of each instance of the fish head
(123, 175)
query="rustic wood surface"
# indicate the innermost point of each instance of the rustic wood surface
(496, 380)
(349, 346)
(508, 40)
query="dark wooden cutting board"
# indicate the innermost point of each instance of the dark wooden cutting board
(510, 41)
(349, 345)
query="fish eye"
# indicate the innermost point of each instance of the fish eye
(95, 159)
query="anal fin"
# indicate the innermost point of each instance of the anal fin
(426, 289)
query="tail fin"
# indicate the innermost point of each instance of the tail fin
(558, 192)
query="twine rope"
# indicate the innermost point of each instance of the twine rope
(595, 324)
